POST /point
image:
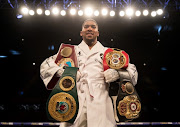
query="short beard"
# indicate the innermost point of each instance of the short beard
(89, 42)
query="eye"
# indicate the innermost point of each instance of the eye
(93, 26)
(86, 26)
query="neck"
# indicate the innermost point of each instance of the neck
(90, 43)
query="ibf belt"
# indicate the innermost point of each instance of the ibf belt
(115, 59)
(66, 56)
(62, 104)
(125, 99)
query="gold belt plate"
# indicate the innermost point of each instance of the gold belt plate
(115, 59)
(69, 102)
(129, 107)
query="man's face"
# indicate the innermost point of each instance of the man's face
(89, 32)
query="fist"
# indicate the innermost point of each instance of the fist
(111, 75)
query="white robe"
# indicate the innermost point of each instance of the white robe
(91, 87)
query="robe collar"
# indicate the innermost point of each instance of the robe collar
(85, 48)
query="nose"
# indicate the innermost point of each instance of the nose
(89, 28)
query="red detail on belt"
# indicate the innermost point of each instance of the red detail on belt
(72, 56)
(127, 59)
(55, 79)
(105, 65)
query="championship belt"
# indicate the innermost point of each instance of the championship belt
(128, 102)
(62, 104)
(66, 56)
(125, 99)
(115, 59)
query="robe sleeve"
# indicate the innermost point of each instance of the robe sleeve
(48, 69)
(130, 73)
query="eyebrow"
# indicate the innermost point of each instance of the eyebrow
(90, 25)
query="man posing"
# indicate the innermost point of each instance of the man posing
(95, 105)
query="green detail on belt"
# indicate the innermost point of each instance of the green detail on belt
(62, 104)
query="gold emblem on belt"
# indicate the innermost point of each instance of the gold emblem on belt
(66, 51)
(127, 87)
(129, 107)
(62, 106)
(115, 59)
(67, 83)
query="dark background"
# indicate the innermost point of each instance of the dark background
(32, 39)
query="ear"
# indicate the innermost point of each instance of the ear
(98, 34)
(81, 33)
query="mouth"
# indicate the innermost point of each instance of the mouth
(89, 34)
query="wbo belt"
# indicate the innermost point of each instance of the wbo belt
(126, 101)
(62, 104)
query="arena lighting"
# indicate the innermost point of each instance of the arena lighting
(159, 11)
(39, 11)
(31, 12)
(104, 12)
(138, 13)
(47, 12)
(80, 13)
(73, 11)
(96, 13)
(63, 12)
(129, 12)
(88, 11)
(153, 13)
(145, 12)
(55, 11)
(121, 13)
(112, 13)
(19, 16)
(24, 10)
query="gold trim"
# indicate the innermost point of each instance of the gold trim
(61, 85)
(128, 84)
(62, 97)
(63, 61)
(115, 59)
(66, 51)
(129, 107)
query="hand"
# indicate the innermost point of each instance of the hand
(111, 75)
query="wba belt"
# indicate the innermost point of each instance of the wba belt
(125, 99)
(62, 104)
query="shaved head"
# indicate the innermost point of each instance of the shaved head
(90, 32)
(89, 20)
